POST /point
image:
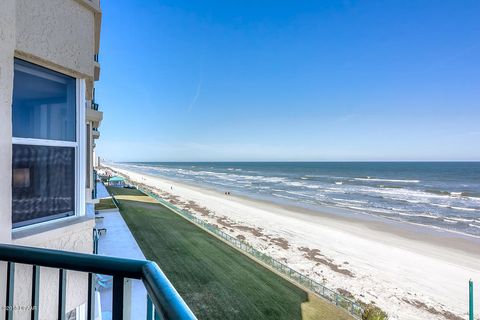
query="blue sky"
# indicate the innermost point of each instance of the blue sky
(277, 80)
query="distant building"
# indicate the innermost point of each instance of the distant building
(48, 125)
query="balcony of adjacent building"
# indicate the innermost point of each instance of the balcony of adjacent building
(96, 70)
(94, 116)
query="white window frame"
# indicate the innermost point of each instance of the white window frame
(78, 145)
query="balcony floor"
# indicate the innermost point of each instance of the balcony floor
(119, 242)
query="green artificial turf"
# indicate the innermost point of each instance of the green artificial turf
(215, 280)
(104, 204)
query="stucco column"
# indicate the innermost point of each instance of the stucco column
(7, 47)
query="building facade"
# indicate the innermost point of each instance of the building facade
(49, 122)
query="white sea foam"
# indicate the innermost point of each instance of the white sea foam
(387, 180)
(462, 219)
(282, 196)
(349, 200)
(312, 186)
(450, 221)
(464, 209)
(293, 184)
(418, 215)
(298, 193)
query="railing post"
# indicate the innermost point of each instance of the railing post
(150, 309)
(62, 287)
(470, 299)
(117, 298)
(35, 291)
(10, 288)
(91, 297)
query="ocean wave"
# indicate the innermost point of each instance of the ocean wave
(355, 208)
(312, 186)
(463, 209)
(282, 196)
(450, 221)
(386, 180)
(473, 195)
(420, 215)
(439, 205)
(349, 200)
(293, 183)
(390, 187)
(438, 192)
(451, 203)
(461, 219)
(298, 193)
(334, 190)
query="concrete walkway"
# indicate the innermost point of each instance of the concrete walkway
(119, 242)
(102, 191)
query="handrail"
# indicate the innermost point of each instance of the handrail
(164, 296)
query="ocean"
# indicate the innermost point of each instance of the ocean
(443, 195)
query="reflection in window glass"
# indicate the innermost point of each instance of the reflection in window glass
(43, 103)
(43, 183)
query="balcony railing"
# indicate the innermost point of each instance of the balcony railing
(164, 301)
(94, 189)
(94, 106)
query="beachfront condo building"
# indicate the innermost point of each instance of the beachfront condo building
(49, 121)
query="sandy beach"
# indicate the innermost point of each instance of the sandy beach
(411, 272)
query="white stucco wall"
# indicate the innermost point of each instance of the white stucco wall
(75, 237)
(60, 32)
(57, 34)
(7, 46)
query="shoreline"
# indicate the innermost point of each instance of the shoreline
(402, 267)
(418, 232)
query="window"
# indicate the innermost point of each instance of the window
(45, 145)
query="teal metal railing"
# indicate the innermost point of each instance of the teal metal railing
(351, 306)
(470, 300)
(94, 189)
(166, 302)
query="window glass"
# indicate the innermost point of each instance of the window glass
(43, 183)
(44, 103)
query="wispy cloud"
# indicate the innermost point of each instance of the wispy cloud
(197, 94)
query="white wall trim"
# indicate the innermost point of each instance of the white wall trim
(81, 152)
(44, 142)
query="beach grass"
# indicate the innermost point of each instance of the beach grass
(316, 308)
(105, 204)
(216, 281)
